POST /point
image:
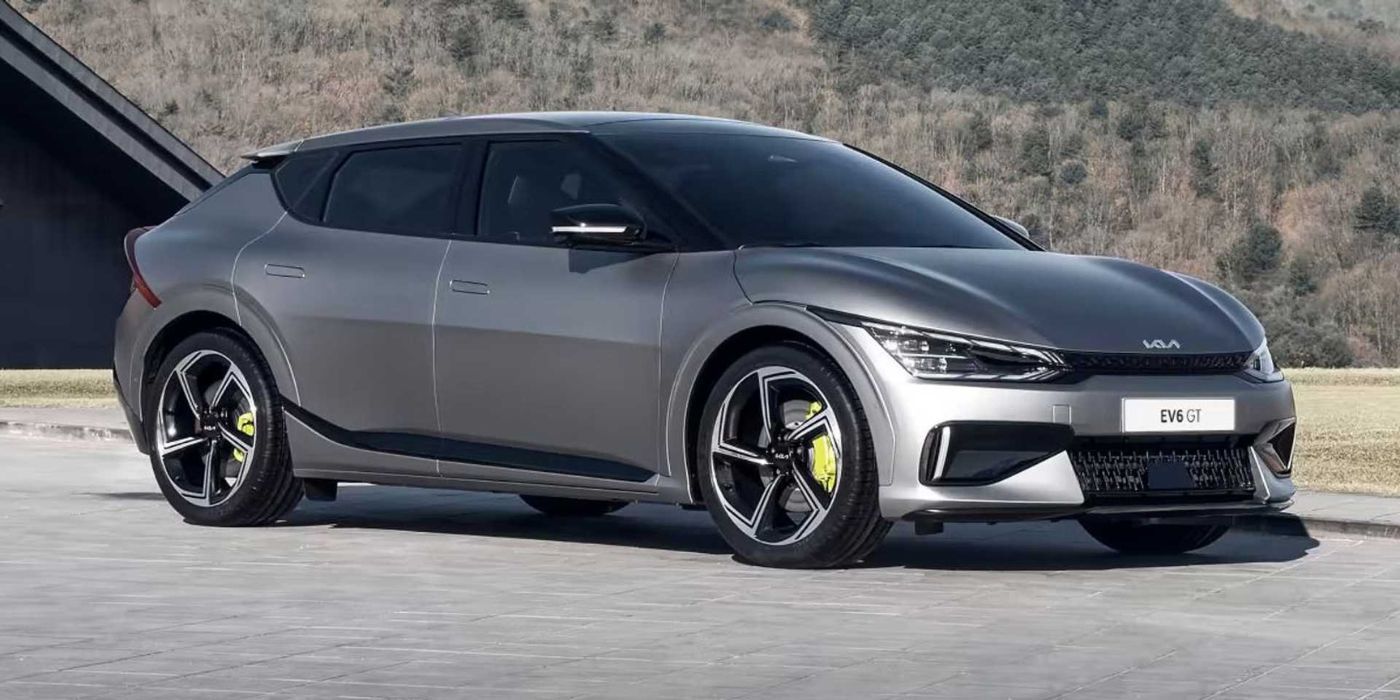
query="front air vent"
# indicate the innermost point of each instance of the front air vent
(1139, 363)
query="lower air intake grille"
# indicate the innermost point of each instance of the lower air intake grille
(1134, 472)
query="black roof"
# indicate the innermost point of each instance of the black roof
(59, 92)
(527, 123)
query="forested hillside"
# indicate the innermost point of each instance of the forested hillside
(1255, 143)
(1188, 51)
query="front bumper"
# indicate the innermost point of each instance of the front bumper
(1091, 408)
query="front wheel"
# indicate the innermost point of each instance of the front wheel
(1134, 537)
(786, 464)
(218, 443)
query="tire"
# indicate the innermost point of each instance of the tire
(1134, 537)
(572, 507)
(241, 407)
(822, 502)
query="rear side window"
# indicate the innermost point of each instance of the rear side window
(395, 190)
(295, 179)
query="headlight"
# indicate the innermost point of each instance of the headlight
(1261, 365)
(930, 355)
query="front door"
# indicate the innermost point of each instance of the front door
(547, 357)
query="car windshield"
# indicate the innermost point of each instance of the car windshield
(791, 191)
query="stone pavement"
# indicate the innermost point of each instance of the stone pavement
(403, 593)
(1312, 511)
(87, 423)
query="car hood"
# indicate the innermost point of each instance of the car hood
(1068, 302)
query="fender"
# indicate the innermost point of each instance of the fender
(257, 323)
(791, 317)
(205, 300)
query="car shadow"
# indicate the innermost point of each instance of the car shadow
(1060, 546)
(129, 495)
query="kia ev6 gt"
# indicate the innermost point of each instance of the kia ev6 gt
(593, 309)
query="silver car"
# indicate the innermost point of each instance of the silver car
(593, 309)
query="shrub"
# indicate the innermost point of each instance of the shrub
(654, 33)
(1073, 173)
(979, 132)
(775, 21)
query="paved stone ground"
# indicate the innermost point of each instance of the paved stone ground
(397, 593)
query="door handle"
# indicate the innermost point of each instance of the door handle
(284, 271)
(469, 287)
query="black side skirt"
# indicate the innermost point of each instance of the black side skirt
(431, 447)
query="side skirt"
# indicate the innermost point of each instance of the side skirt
(321, 450)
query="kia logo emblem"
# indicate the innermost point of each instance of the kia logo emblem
(1158, 344)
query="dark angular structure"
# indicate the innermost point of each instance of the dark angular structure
(80, 165)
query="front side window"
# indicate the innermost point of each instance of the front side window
(781, 191)
(526, 180)
(395, 190)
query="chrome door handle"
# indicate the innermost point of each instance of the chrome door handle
(469, 287)
(284, 271)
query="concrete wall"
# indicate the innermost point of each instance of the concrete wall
(63, 273)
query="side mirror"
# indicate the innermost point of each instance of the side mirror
(1015, 226)
(607, 225)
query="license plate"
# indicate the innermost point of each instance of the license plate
(1178, 415)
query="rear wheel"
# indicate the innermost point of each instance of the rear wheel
(218, 443)
(786, 464)
(1135, 537)
(572, 507)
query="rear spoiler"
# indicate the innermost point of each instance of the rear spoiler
(273, 153)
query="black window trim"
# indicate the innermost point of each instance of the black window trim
(321, 187)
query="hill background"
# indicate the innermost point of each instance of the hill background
(1254, 143)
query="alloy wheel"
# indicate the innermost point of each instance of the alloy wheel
(775, 455)
(206, 429)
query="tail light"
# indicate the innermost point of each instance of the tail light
(138, 283)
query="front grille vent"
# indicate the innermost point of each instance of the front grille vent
(1134, 363)
(1136, 471)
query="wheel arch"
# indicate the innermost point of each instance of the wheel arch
(190, 322)
(758, 326)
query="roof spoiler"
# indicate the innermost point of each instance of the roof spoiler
(273, 153)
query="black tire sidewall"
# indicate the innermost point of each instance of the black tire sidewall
(856, 499)
(264, 483)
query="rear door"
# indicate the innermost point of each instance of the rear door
(348, 281)
(548, 357)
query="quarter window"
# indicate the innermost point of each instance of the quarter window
(395, 190)
(527, 180)
(296, 178)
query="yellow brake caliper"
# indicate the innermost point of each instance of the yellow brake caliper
(245, 426)
(823, 455)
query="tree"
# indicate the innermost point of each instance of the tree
(1035, 152)
(1377, 213)
(1254, 255)
(1203, 171)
